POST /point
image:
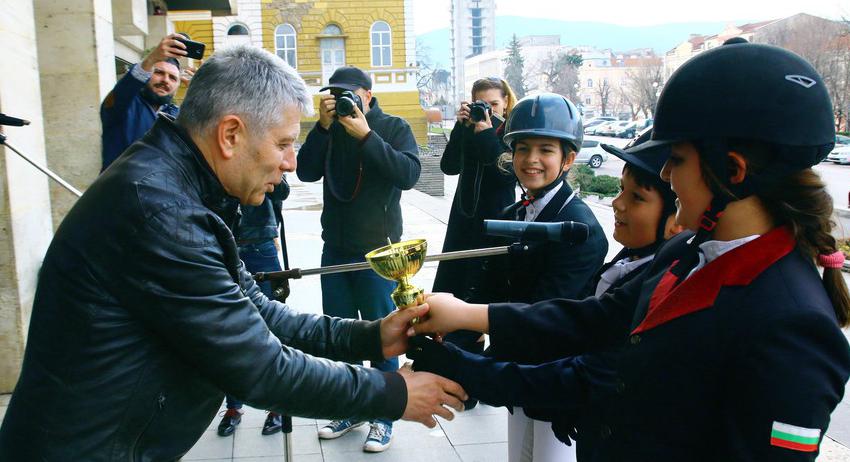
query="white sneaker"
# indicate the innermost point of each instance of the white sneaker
(337, 428)
(380, 436)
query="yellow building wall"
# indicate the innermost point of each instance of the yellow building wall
(355, 19)
(199, 31)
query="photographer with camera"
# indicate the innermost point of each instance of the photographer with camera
(130, 109)
(483, 189)
(367, 157)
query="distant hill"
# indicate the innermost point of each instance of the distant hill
(661, 38)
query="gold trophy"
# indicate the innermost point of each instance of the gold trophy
(399, 262)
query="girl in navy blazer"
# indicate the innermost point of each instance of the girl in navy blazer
(730, 342)
(544, 133)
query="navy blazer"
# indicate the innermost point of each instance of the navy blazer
(547, 269)
(709, 368)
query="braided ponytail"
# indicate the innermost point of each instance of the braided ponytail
(799, 201)
(803, 204)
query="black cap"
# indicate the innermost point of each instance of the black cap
(649, 160)
(349, 78)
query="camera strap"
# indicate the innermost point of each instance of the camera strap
(329, 178)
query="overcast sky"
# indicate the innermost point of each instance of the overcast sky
(434, 14)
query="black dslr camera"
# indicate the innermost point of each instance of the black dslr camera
(345, 101)
(479, 111)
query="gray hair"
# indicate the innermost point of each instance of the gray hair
(245, 81)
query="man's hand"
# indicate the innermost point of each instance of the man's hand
(327, 110)
(463, 113)
(186, 75)
(427, 394)
(482, 125)
(448, 314)
(169, 47)
(394, 329)
(356, 124)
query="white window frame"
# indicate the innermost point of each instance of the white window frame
(383, 35)
(290, 32)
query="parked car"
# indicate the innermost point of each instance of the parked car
(629, 131)
(841, 152)
(625, 131)
(591, 153)
(595, 123)
(612, 128)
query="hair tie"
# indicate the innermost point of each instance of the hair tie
(833, 260)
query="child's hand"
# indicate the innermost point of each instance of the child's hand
(448, 314)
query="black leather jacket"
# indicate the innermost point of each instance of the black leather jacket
(144, 315)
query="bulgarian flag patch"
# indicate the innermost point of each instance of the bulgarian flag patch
(793, 437)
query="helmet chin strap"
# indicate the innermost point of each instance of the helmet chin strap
(716, 152)
(528, 199)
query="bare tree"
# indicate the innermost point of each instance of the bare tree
(643, 84)
(628, 100)
(603, 91)
(561, 72)
(433, 82)
(826, 45)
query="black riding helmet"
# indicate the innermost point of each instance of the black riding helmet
(545, 115)
(744, 91)
(748, 91)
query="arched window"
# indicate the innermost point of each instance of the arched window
(331, 29)
(589, 83)
(284, 44)
(238, 29)
(381, 44)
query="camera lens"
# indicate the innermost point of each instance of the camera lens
(344, 106)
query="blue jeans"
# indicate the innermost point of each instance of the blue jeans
(257, 257)
(346, 294)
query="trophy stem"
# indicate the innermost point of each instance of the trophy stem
(406, 294)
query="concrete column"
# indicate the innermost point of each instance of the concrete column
(76, 56)
(25, 222)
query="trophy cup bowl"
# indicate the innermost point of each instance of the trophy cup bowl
(399, 262)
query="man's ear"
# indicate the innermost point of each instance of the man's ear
(670, 227)
(230, 135)
(737, 168)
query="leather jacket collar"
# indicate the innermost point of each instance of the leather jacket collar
(176, 141)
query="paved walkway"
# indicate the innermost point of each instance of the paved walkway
(479, 435)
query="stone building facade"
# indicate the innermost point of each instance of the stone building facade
(316, 37)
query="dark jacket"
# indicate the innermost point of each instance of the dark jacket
(483, 191)
(363, 180)
(126, 117)
(548, 269)
(565, 392)
(260, 223)
(707, 368)
(144, 315)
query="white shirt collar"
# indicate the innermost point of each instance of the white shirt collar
(618, 271)
(711, 250)
(532, 210)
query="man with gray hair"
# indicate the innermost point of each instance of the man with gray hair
(144, 314)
